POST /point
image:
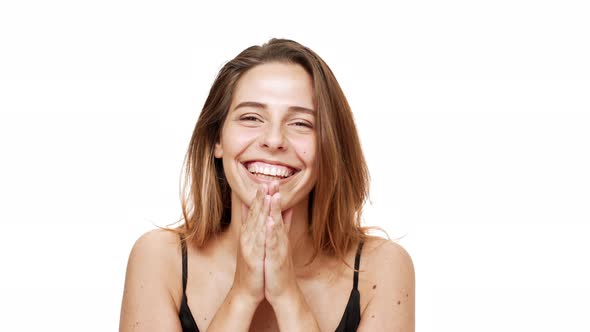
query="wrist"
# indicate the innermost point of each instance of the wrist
(287, 301)
(241, 302)
(235, 314)
(293, 313)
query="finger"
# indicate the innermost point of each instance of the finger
(271, 237)
(274, 187)
(254, 207)
(275, 209)
(287, 217)
(260, 247)
(265, 210)
(245, 211)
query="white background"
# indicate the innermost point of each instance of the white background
(474, 117)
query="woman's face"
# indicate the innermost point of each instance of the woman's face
(269, 133)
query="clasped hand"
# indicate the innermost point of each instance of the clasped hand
(264, 266)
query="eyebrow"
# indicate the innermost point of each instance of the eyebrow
(264, 106)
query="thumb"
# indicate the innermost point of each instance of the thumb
(245, 210)
(287, 216)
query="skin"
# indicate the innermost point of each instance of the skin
(272, 129)
(252, 275)
(271, 118)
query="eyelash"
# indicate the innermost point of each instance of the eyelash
(304, 124)
(298, 124)
(249, 118)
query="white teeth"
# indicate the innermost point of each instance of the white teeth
(278, 171)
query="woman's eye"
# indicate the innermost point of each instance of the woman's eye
(249, 118)
(302, 124)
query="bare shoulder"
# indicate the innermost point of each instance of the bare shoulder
(157, 252)
(386, 254)
(388, 263)
(152, 283)
(159, 242)
(392, 294)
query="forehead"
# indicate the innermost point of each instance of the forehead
(275, 84)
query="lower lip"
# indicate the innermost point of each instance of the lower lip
(259, 180)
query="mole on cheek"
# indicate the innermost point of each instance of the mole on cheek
(374, 286)
(398, 302)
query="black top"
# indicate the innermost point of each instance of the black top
(349, 322)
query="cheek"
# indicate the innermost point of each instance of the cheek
(305, 149)
(235, 141)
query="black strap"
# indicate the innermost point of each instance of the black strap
(357, 261)
(184, 263)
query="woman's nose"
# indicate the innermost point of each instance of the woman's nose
(273, 138)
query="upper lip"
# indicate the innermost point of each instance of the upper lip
(271, 162)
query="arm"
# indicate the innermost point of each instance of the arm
(393, 304)
(293, 314)
(235, 314)
(154, 275)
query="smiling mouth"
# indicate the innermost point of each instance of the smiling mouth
(269, 172)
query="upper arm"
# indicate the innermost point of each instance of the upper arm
(148, 303)
(393, 304)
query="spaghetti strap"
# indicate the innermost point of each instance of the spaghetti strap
(357, 261)
(352, 313)
(184, 263)
(187, 321)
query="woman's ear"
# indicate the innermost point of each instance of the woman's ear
(218, 151)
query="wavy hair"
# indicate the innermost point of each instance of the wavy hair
(337, 199)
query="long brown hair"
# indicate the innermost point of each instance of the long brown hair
(342, 187)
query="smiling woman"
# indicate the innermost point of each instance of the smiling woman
(271, 129)
(275, 185)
